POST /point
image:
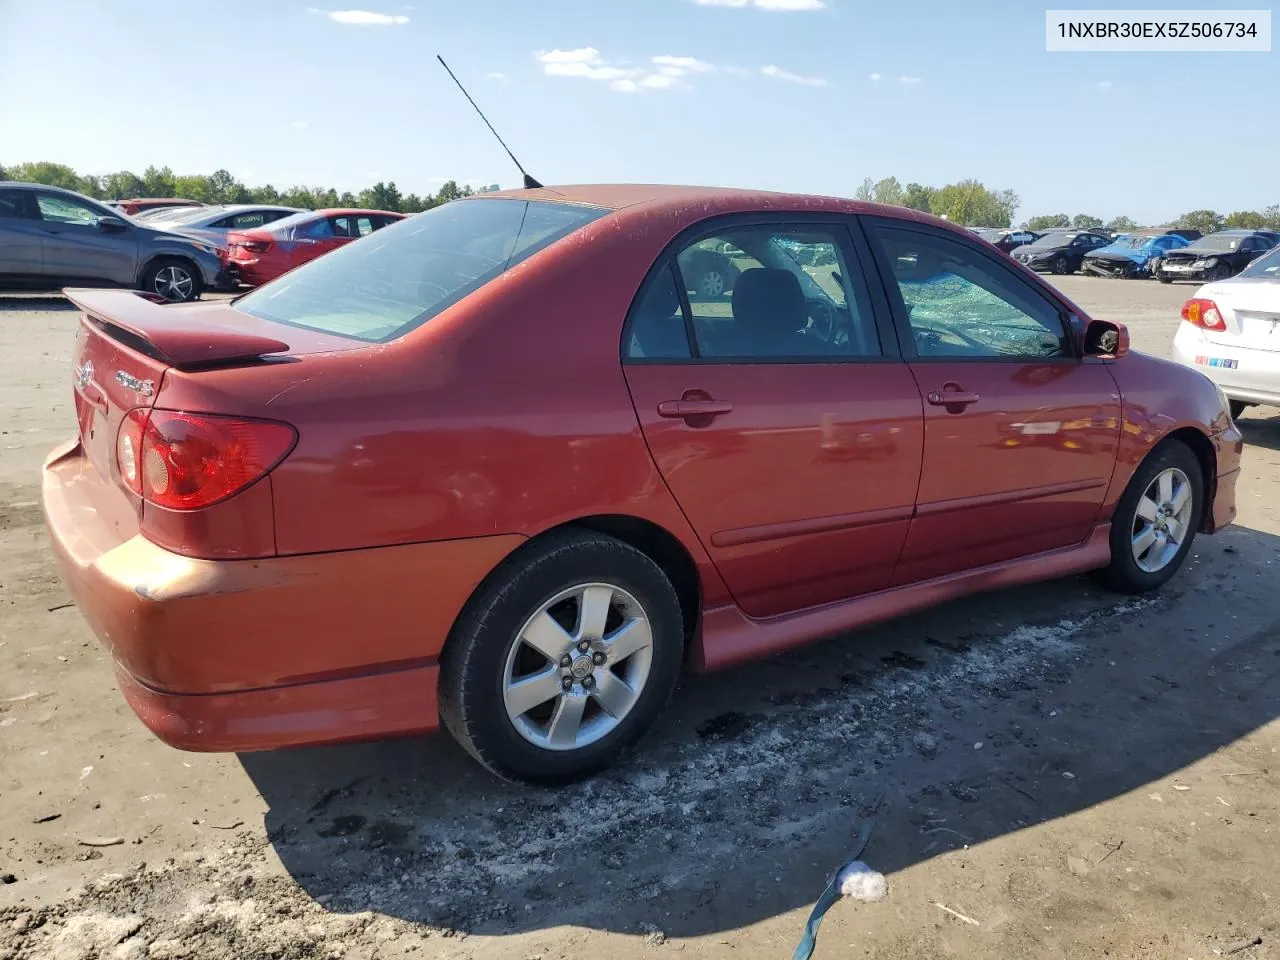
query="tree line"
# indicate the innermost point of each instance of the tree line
(221, 187)
(967, 202)
(1206, 221)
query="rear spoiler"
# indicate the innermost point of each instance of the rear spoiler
(174, 337)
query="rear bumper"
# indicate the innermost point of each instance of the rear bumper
(1254, 378)
(258, 654)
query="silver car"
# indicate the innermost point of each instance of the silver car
(1231, 334)
(214, 223)
(52, 238)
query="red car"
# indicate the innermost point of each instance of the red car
(499, 465)
(264, 253)
(141, 204)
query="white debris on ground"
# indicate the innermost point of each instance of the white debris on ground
(859, 882)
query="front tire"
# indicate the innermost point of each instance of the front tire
(563, 660)
(178, 281)
(1060, 265)
(1238, 407)
(1156, 520)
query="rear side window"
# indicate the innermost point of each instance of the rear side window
(397, 278)
(13, 204)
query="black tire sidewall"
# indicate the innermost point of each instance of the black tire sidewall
(474, 662)
(1123, 573)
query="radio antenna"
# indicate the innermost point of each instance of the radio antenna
(529, 182)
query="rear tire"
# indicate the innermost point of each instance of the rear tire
(173, 278)
(529, 683)
(1153, 526)
(1060, 265)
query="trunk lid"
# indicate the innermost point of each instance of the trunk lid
(1251, 311)
(127, 343)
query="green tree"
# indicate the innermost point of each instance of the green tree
(1009, 202)
(1206, 221)
(158, 183)
(264, 194)
(1082, 221)
(888, 190)
(299, 196)
(970, 203)
(1271, 216)
(451, 191)
(1048, 221)
(192, 187)
(865, 191)
(381, 196)
(348, 199)
(918, 197)
(52, 175)
(1121, 225)
(1246, 219)
(123, 185)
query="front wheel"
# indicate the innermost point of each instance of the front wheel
(175, 280)
(1156, 520)
(1060, 265)
(562, 661)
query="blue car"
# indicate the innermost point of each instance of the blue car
(1131, 255)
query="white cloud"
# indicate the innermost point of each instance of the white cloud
(314, 10)
(910, 80)
(1102, 86)
(785, 5)
(874, 77)
(685, 65)
(366, 18)
(779, 74)
(658, 81)
(500, 77)
(300, 124)
(587, 64)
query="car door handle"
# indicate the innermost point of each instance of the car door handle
(952, 398)
(684, 409)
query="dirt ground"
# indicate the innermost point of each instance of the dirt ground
(1051, 771)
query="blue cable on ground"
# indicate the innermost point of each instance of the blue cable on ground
(809, 940)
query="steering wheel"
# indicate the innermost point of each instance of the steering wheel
(928, 335)
(820, 312)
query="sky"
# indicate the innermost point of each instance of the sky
(799, 95)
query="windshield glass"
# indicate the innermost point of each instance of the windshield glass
(1133, 243)
(381, 286)
(1218, 241)
(1266, 267)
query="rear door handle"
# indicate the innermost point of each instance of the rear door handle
(952, 398)
(684, 409)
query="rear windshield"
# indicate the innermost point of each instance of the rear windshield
(379, 287)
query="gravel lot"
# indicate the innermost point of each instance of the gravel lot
(1076, 774)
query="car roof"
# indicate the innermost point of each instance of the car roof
(351, 212)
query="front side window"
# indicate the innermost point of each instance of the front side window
(775, 293)
(961, 304)
(401, 276)
(321, 229)
(59, 209)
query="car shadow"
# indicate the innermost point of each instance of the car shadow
(951, 727)
(10, 303)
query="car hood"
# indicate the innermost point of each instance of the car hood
(1195, 253)
(1026, 250)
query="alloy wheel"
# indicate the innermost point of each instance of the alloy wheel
(578, 666)
(712, 284)
(1162, 520)
(174, 283)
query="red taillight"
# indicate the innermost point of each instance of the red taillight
(186, 461)
(1203, 313)
(253, 246)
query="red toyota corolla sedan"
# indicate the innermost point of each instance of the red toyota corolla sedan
(263, 253)
(501, 465)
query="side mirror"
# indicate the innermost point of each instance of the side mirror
(111, 224)
(1106, 339)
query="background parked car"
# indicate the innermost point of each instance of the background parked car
(131, 208)
(1060, 251)
(262, 254)
(1216, 257)
(1231, 334)
(709, 271)
(52, 238)
(1006, 240)
(1131, 255)
(215, 223)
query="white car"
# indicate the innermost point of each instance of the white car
(1231, 333)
